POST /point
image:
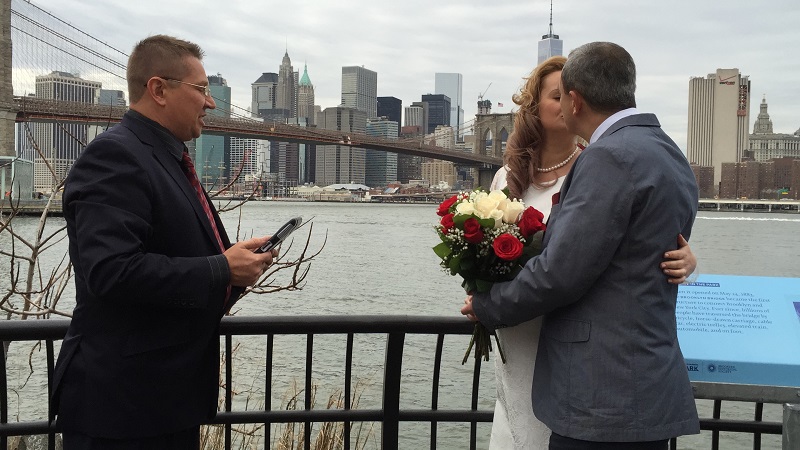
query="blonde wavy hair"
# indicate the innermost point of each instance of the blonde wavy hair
(523, 152)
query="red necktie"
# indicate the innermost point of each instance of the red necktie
(191, 174)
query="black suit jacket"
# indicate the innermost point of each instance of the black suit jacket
(141, 356)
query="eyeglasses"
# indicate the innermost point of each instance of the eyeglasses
(205, 90)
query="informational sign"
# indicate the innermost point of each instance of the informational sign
(736, 329)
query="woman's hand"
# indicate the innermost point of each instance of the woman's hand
(679, 263)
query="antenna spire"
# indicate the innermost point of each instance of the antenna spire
(551, 17)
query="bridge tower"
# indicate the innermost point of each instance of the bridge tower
(7, 113)
(491, 133)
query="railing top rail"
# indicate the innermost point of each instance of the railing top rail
(27, 330)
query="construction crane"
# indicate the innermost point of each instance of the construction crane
(480, 96)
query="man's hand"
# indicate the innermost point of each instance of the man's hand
(680, 263)
(246, 266)
(467, 309)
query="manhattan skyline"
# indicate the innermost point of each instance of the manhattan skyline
(493, 43)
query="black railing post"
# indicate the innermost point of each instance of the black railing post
(51, 414)
(228, 386)
(390, 432)
(4, 394)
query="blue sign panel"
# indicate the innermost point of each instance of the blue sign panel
(746, 330)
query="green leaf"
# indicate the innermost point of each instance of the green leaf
(455, 263)
(442, 250)
(487, 223)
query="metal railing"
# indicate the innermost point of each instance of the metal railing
(390, 415)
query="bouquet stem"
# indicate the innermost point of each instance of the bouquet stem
(481, 340)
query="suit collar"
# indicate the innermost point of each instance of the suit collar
(610, 120)
(136, 120)
(639, 120)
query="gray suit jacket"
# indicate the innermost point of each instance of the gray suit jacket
(609, 367)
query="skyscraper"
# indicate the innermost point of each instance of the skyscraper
(306, 113)
(265, 95)
(392, 109)
(417, 116)
(59, 144)
(341, 163)
(286, 98)
(380, 167)
(360, 90)
(305, 97)
(451, 84)
(719, 118)
(550, 45)
(438, 110)
(212, 152)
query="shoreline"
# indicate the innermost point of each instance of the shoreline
(36, 207)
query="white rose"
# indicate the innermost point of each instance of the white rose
(465, 208)
(497, 215)
(498, 195)
(503, 203)
(512, 211)
(485, 205)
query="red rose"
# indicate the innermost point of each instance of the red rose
(530, 222)
(507, 247)
(447, 222)
(444, 207)
(472, 231)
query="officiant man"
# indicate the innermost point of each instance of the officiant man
(154, 268)
(609, 372)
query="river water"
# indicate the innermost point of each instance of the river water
(378, 260)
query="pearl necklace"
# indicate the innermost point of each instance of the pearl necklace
(561, 164)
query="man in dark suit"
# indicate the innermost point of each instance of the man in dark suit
(609, 372)
(154, 269)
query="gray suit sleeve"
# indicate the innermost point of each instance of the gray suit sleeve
(593, 218)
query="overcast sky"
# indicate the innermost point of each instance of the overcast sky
(495, 42)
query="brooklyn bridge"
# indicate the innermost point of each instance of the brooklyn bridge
(36, 42)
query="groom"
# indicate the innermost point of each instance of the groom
(609, 372)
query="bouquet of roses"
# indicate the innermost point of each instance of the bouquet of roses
(486, 237)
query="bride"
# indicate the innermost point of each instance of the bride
(539, 154)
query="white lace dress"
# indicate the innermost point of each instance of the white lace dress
(514, 426)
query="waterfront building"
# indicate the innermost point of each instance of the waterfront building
(451, 85)
(59, 145)
(409, 167)
(286, 98)
(550, 45)
(392, 109)
(719, 107)
(748, 180)
(794, 192)
(305, 97)
(764, 144)
(360, 90)
(380, 167)
(212, 152)
(341, 163)
(438, 171)
(704, 176)
(438, 110)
